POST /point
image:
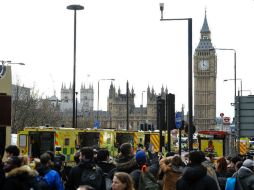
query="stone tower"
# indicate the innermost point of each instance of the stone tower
(151, 105)
(66, 94)
(205, 73)
(117, 108)
(86, 98)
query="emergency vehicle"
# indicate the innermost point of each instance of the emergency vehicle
(34, 141)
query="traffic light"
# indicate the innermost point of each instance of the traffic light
(152, 127)
(149, 126)
(142, 127)
(170, 111)
(161, 113)
(186, 128)
(182, 125)
(145, 127)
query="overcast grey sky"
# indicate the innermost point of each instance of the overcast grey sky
(125, 40)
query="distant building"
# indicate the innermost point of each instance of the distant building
(20, 92)
(86, 98)
(54, 100)
(117, 106)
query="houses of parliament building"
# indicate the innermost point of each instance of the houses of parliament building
(116, 115)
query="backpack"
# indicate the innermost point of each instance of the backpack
(147, 181)
(92, 177)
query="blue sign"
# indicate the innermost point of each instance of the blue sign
(178, 119)
(96, 125)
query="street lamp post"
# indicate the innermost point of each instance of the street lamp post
(237, 122)
(3, 68)
(10, 63)
(74, 8)
(76, 113)
(241, 83)
(190, 137)
(98, 102)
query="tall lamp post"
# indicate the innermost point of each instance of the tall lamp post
(98, 102)
(190, 137)
(237, 122)
(74, 8)
(241, 83)
(76, 112)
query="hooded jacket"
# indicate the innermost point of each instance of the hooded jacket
(171, 174)
(245, 179)
(22, 178)
(195, 178)
(52, 178)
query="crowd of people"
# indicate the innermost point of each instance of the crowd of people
(140, 170)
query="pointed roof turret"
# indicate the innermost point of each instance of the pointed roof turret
(166, 90)
(148, 89)
(205, 27)
(205, 43)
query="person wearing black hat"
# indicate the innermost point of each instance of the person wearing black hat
(125, 162)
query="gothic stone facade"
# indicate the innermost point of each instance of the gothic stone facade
(117, 106)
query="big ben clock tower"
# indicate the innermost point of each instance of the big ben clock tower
(205, 72)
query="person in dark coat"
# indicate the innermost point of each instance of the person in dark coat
(86, 163)
(19, 177)
(125, 162)
(195, 175)
(104, 162)
(245, 176)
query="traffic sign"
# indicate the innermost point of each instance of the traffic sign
(178, 119)
(226, 120)
(96, 124)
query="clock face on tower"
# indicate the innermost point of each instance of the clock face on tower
(204, 65)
